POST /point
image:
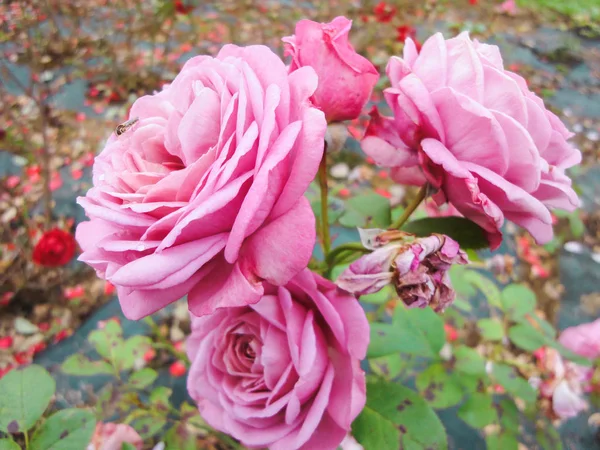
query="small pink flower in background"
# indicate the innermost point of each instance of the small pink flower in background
(349, 443)
(508, 7)
(204, 194)
(418, 269)
(74, 292)
(112, 436)
(475, 132)
(562, 382)
(583, 339)
(283, 373)
(346, 79)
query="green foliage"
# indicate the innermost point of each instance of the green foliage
(467, 233)
(491, 329)
(367, 210)
(517, 300)
(485, 285)
(418, 332)
(65, 430)
(478, 411)
(25, 395)
(439, 387)
(8, 444)
(469, 361)
(397, 417)
(143, 378)
(508, 378)
(79, 365)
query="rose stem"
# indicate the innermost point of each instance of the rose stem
(414, 204)
(324, 203)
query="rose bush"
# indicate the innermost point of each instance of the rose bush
(346, 79)
(477, 134)
(204, 194)
(283, 373)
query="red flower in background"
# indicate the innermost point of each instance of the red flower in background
(384, 13)
(408, 31)
(55, 248)
(182, 8)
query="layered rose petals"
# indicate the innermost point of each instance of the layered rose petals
(475, 132)
(203, 195)
(283, 373)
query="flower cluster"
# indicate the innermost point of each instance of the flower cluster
(201, 194)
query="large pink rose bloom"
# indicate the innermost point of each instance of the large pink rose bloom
(346, 79)
(204, 194)
(283, 373)
(475, 132)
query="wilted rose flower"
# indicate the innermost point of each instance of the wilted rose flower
(418, 269)
(55, 248)
(562, 382)
(203, 195)
(346, 79)
(283, 373)
(112, 436)
(475, 132)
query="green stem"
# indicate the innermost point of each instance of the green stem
(324, 204)
(26, 440)
(410, 208)
(353, 246)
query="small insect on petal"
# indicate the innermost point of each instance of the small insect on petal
(122, 128)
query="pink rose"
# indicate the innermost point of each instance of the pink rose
(583, 339)
(204, 194)
(112, 436)
(283, 373)
(475, 132)
(418, 269)
(346, 79)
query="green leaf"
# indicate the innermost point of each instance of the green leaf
(387, 339)
(526, 337)
(133, 348)
(491, 329)
(179, 437)
(379, 297)
(26, 393)
(395, 414)
(461, 285)
(439, 387)
(128, 446)
(486, 286)
(576, 224)
(547, 436)
(425, 325)
(478, 410)
(467, 233)
(505, 440)
(9, 444)
(79, 365)
(65, 430)
(143, 378)
(509, 414)
(517, 300)
(389, 366)
(513, 383)
(159, 397)
(107, 339)
(371, 210)
(149, 426)
(469, 361)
